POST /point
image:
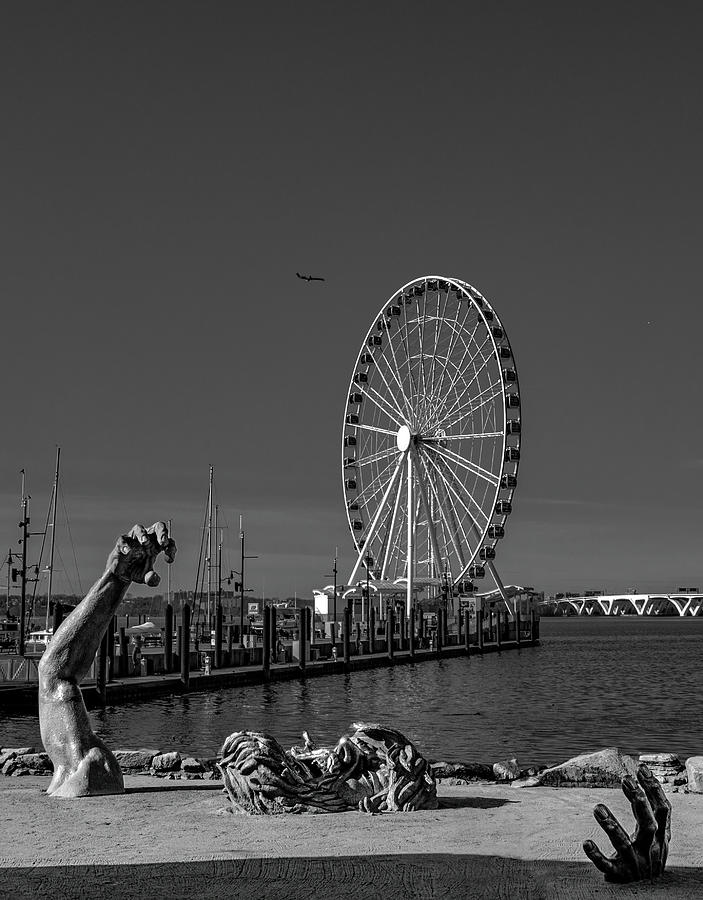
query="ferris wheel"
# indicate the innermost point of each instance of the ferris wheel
(431, 439)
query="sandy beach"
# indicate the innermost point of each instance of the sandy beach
(178, 840)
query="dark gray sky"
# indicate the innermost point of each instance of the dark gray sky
(166, 169)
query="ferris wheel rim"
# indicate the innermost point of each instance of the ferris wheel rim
(399, 420)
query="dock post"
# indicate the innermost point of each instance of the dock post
(479, 629)
(517, 625)
(467, 632)
(411, 631)
(122, 666)
(112, 633)
(372, 630)
(274, 633)
(101, 667)
(218, 636)
(168, 639)
(184, 648)
(440, 630)
(358, 638)
(57, 617)
(347, 634)
(390, 632)
(230, 642)
(267, 642)
(499, 630)
(302, 634)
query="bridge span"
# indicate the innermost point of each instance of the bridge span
(639, 604)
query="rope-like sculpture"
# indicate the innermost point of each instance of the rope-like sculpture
(375, 769)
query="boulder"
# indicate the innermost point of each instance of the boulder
(604, 768)
(35, 763)
(163, 763)
(132, 761)
(667, 768)
(11, 752)
(461, 773)
(192, 765)
(506, 770)
(694, 773)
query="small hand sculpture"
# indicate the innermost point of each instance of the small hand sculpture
(644, 854)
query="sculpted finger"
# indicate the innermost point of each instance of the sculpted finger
(618, 836)
(641, 809)
(658, 800)
(170, 551)
(160, 532)
(139, 533)
(606, 866)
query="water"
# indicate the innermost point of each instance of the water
(629, 682)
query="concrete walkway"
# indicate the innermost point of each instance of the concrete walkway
(166, 839)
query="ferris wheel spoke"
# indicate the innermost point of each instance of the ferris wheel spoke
(375, 486)
(452, 490)
(476, 373)
(441, 317)
(469, 409)
(391, 532)
(430, 523)
(392, 371)
(376, 457)
(441, 506)
(455, 525)
(462, 437)
(379, 510)
(459, 373)
(470, 466)
(391, 411)
(404, 337)
(441, 464)
(458, 329)
(398, 376)
(375, 428)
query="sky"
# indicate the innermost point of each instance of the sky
(167, 167)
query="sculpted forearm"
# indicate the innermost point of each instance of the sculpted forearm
(71, 653)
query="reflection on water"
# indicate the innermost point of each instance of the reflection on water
(628, 682)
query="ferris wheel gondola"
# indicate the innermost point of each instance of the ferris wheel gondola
(431, 438)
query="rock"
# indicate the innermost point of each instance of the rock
(507, 770)
(35, 763)
(165, 762)
(694, 773)
(604, 768)
(11, 752)
(192, 765)
(135, 760)
(660, 759)
(9, 766)
(666, 767)
(461, 773)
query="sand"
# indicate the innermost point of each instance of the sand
(178, 840)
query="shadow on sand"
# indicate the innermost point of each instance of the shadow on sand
(360, 876)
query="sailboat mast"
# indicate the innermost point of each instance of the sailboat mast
(168, 572)
(53, 535)
(209, 551)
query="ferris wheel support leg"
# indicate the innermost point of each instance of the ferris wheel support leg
(411, 532)
(501, 588)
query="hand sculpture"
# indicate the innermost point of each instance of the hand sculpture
(83, 766)
(375, 769)
(644, 854)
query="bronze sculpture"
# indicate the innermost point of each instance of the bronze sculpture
(83, 765)
(375, 769)
(642, 855)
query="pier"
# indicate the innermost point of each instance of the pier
(494, 635)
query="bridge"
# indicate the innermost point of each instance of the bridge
(638, 604)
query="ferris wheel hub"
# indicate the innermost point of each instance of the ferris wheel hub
(403, 438)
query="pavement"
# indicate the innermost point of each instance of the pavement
(179, 839)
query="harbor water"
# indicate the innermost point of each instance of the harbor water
(629, 682)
